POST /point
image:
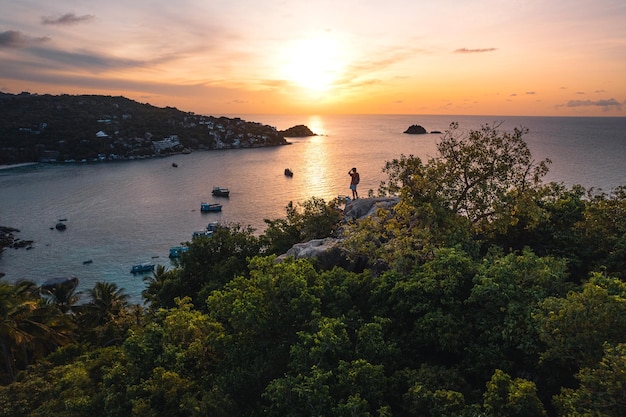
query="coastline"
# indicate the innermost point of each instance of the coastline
(20, 165)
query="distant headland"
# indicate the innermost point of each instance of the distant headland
(94, 128)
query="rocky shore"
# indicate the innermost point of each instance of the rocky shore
(9, 240)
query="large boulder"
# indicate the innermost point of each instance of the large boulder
(364, 207)
(416, 130)
(327, 253)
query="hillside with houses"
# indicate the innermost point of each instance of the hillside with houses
(92, 128)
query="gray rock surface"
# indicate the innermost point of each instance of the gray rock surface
(364, 207)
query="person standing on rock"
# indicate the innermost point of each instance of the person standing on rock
(354, 182)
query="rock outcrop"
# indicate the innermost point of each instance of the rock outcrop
(416, 130)
(8, 239)
(299, 131)
(326, 252)
(363, 207)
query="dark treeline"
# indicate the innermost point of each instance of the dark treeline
(483, 292)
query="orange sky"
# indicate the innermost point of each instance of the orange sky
(482, 57)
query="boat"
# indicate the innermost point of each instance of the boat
(142, 267)
(288, 172)
(200, 233)
(60, 226)
(176, 251)
(174, 164)
(210, 207)
(87, 262)
(212, 227)
(220, 192)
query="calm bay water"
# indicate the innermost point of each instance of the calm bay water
(120, 214)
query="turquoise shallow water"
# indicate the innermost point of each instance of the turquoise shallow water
(120, 214)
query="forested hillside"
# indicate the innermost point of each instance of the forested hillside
(92, 128)
(483, 292)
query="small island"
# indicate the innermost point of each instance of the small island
(299, 131)
(416, 130)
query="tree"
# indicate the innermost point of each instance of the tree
(29, 327)
(107, 302)
(511, 397)
(604, 231)
(480, 175)
(210, 262)
(261, 315)
(62, 294)
(602, 387)
(575, 328)
(501, 309)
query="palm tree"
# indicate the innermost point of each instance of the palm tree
(29, 327)
(108, 301)
(155, 286)
(63, 294)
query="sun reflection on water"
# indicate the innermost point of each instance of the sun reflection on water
(316, 124)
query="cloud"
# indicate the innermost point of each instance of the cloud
(15, 39)
(606, 104)
(530, 93)
(474, 51)
(84, 60)
(66, 19)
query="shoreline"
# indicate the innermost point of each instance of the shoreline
(20, 165)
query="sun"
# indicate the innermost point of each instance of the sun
(314, 63)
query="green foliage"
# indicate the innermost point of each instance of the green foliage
(209, 263)
(604, 229)
(30, 328)
(511, 397)
(428, 305)
(261, 315)
(502, 302)
(601, 390)
(108, 302)
(476, 175)
(575, 327)
(313, 219)
(476, 172)
(67, 390)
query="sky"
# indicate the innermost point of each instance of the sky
(230, 57)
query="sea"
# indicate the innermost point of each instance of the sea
(119, 214)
